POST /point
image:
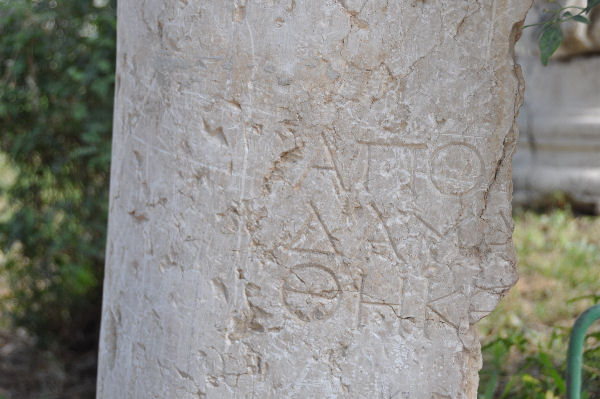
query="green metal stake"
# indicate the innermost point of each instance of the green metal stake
(575, 353)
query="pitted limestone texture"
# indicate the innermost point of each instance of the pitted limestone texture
(317, 196)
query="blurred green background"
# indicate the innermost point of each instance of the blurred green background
(56, 95)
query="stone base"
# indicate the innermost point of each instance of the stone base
(559, 148)
(536, 183)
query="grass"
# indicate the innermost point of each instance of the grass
(525, 339)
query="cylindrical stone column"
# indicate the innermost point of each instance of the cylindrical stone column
(309, 198)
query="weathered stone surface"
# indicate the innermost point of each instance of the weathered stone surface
(309, 198)
(559, 147)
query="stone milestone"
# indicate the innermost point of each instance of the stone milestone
(309, 198)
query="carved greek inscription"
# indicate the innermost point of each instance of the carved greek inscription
(313, 237)
(391, 168)
(382, 287)
(456, 168)
(311, 292)
(322, 160)
(364, 221)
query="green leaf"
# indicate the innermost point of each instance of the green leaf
(567, 14)
(549, 42)
(530, 380)
(581, 18)
(591, 4)
(551, 371)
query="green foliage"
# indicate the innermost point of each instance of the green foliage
(56, 94)
(591, 4)
(581, 18)
(525, 340)
(549, 41)
(515, 368)
(551, 36)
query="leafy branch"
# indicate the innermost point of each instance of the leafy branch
(552, 35)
